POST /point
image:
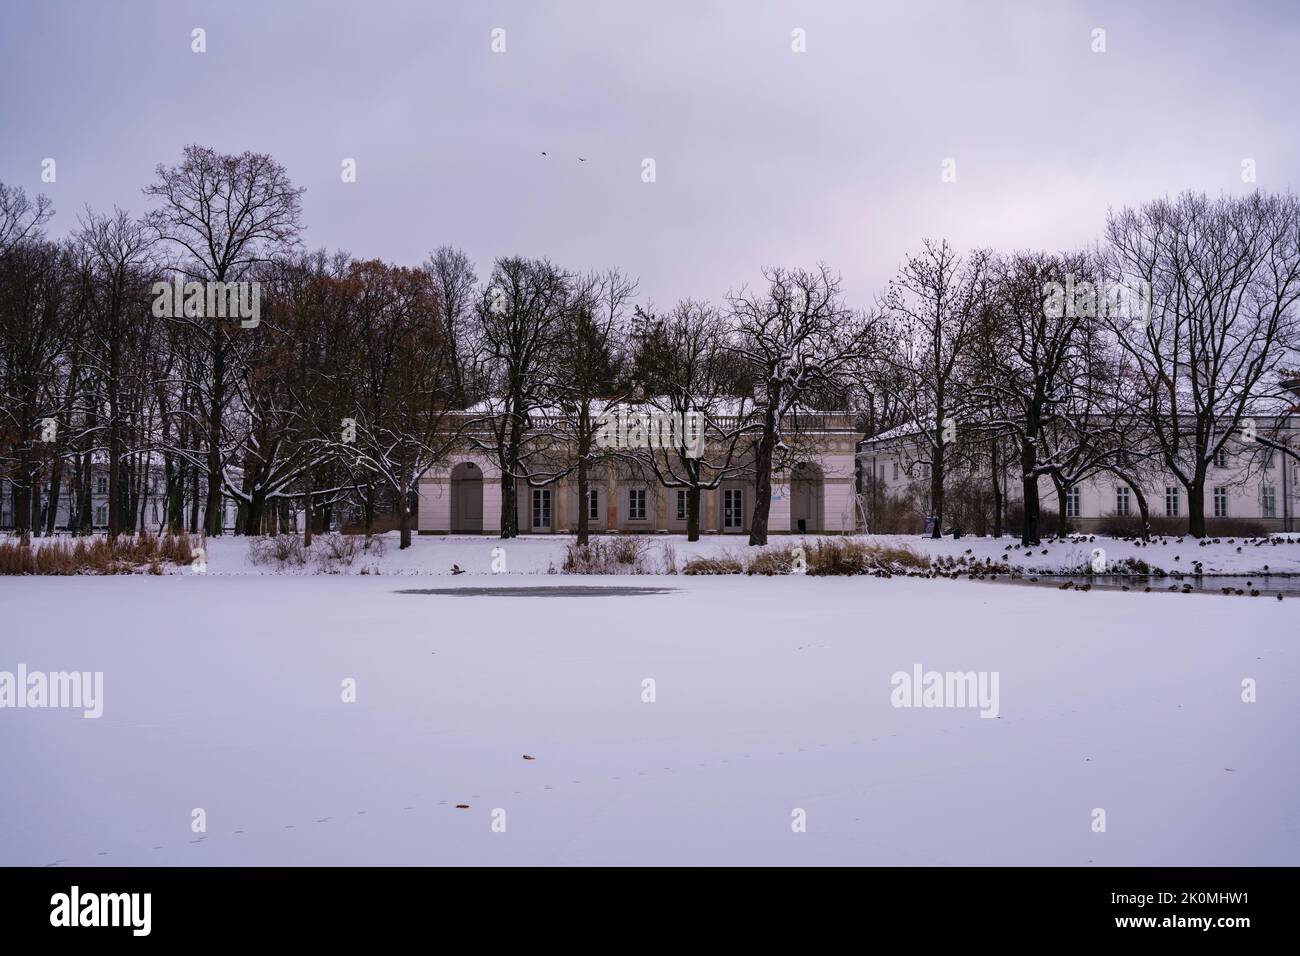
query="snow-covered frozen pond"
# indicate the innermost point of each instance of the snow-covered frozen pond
(772, 704)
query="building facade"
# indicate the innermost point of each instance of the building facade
(814, 494)
(1248, 484)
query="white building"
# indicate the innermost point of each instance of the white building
(816, 494)
(1248, 483)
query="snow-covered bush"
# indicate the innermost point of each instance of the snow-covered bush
(282, 550)
(771, 561)
(830, 555)
(333, 550)
(723, 563)
(615, 555)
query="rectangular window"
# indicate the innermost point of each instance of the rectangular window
(1221, 458)
(636, 504)
(1220, 502)
(593, 505)
(1072, 503)
(541, 507)
(1268, 502)
(101, 515)
(733, 504)
(1172, 506)
(895, 471)
(101, 485)
(1123, 502)
(681, 504)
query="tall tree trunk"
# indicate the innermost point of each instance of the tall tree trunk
(509, 506)
(307, 511)
(175, 496)
(693, 513)
(1062, 520)
(936, 481)
(1029, 490)
(254, 510)
(584, 490)
(87, 506)
(1144, 509)
(213, 518)
(763, 476)
(404, 513)
(56, 491)
(1196, 506)
(194, 500)
(997, 492)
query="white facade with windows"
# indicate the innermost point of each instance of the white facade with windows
(814, 495)
(1245, 482)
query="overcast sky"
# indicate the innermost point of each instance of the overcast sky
(762, 155)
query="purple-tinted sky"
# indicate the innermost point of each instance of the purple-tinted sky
(763, 155)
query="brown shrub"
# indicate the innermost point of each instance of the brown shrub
(613, 555)
(718, 564)
(126, 554)
(770, 561)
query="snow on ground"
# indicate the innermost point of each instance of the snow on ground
(772, 696)
(538, 554)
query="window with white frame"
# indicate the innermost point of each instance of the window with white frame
(101, 515)
(636, 504)
(1073, 503)
(1220, 502)
(1172, 504)
(733, 503)
(101, 485)
(1123, 502)
(541, 507)
(593, 505)
(1221, 458)
(1268, 502)
(681, 504)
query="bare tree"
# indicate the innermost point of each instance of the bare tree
(406, 419)
(932, 310)
(21, 218)
(799, 339)
(588, 378)
(118, 272)
(687, 366)
(223, 214)
(456, 283)
(1046, 325)
(1224, 277)
(37, 308)
(518, 316)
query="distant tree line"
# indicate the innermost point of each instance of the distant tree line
(357, 375)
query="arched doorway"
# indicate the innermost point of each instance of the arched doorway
(467, 498)
(807, 498)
